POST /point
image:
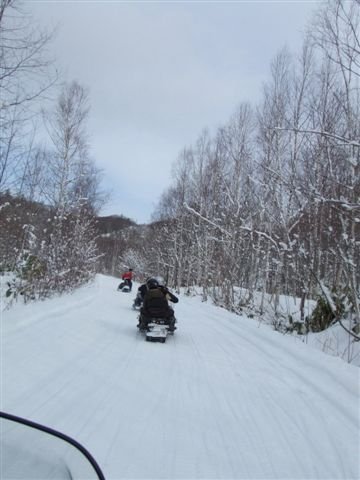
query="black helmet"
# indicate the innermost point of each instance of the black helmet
(152, 283)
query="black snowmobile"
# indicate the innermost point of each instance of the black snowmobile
(157, 329)
(157, 319)
(124, 286)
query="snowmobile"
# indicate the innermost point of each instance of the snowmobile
(32, 451)
(157, 330)
(124, 286)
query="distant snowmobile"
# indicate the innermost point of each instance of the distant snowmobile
(124, 287)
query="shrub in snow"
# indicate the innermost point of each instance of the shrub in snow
(323, 315)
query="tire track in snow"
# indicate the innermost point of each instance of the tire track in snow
(268, 351)
(215, 396)
(284, 375)
(254, 418)
(215, 401)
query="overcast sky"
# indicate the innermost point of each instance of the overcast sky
(159, 73)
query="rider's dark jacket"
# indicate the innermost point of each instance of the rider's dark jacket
(156, 303)
(142, 290)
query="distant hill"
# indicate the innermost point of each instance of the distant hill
(113, 224)
(114, 233)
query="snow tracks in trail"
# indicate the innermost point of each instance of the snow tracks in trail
(222, 398)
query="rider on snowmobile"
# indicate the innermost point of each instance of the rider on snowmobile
(140, 295)
(127, 279)
(155, 305)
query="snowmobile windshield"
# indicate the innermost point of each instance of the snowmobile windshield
(32, 451)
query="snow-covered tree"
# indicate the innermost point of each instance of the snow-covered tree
(26, 73)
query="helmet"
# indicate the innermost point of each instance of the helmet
(152, 283)
(160, 280)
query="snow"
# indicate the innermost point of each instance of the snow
(225, 397)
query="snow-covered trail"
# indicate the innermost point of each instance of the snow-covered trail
(221, 399)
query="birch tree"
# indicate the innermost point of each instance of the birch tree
(26, 74)
(71, 250)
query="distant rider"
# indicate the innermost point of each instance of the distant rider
(127, 279)
(155, 305)
(140, 295)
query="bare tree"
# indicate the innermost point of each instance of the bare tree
(26, 74)
(71, 190)
(66, 126)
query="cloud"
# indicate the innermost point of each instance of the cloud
(160, 72)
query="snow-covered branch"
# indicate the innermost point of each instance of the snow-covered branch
(347, 141)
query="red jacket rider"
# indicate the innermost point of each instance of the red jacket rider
(128, 275)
